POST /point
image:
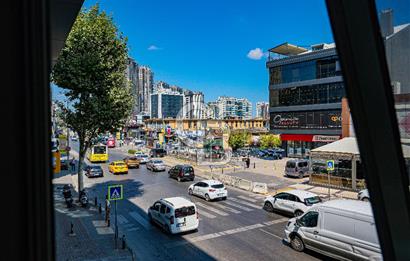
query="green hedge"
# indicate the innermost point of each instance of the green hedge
(131, 151)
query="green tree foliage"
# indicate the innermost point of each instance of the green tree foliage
(239, 140)
(91, 69)
(270, 141)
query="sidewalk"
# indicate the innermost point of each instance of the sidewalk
(266, 174)
(92, 239)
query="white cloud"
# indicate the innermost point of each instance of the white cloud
(256, 54)
(153, 48)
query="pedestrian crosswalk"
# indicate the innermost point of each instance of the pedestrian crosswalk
(233, 205)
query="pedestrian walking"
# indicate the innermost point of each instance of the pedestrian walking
(248, 162)
(72, 164)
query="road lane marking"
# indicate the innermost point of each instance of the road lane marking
(245, 203)
(278, 237)
(248, 199)
(213, 235)
(228, 209)
(141, 220)
(236, 205)
(277, 221)
(219, 212)
(205, 214)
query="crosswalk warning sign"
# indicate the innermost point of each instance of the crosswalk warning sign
(115, 192)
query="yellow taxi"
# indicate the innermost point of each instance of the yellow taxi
(117, 167)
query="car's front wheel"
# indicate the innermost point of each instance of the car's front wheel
(298, 213)
(190, 192)
(207, 198)
(297, 243)
(268, 206)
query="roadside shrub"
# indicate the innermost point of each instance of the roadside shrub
(131, 151)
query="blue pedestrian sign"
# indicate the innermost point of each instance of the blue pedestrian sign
(330, 165)
(115, 192)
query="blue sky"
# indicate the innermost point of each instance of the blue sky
(204, 45)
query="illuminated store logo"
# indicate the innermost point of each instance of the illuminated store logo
(278, 119)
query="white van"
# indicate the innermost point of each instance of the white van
(174, 215)
(342, 229)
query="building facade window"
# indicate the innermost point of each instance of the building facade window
(303, 71)
(306, 95)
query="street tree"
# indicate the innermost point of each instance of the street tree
(269, 141)
(239, 140)
(91, 70)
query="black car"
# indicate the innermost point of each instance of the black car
(157, 153)
(182, 172)
(93, 171)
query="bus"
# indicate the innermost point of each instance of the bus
(98, 153)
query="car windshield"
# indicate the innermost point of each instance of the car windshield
(218, 186)
(184, 212)
(99, 149)
(189, 169)
(158, 161)
(132, 158)
(95, 168)
(313, 200)
(120, 164)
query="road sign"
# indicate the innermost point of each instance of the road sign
(330, 164)
(115, 192)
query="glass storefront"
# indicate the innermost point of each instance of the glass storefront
(300, 149)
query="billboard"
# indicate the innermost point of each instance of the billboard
(323, 119)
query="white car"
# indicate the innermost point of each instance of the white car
(363, 195)
(155, 165)
(342, 229)
(208, 189)
(294, 202)
(143, 158)
(174, 215)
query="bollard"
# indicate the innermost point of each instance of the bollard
(95, 201)
(233, 169)
(99, 208)
(108, 222)
(71, 230)
(254, 164)
(123, 242)
(222, 170)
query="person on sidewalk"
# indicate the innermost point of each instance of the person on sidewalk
(248, 162)
(72, 164)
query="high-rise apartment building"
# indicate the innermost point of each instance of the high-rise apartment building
(145, 89)
(262, 110)
(132, 76)
(212, 110)
(231, 107)
(194, 107)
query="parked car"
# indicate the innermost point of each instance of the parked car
(209, 190)
(138, 152)
(157, 153)
(132, 162)
(294, 202)
(117, 167)
(297, 168)
(342, 229)
(155, 165)
(182, 172)
(93, 171)
(143, 158)
(174, 215)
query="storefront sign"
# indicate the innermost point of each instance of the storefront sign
(323, 138)
(326, 119)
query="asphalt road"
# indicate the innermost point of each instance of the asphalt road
(235, 229)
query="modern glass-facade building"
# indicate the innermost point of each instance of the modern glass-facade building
(305, 96)
(164, 105)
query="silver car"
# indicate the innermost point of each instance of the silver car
(156, 165)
